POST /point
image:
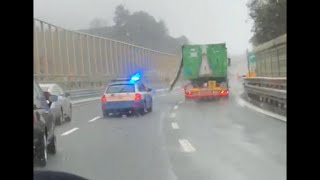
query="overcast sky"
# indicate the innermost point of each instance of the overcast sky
(202, 21)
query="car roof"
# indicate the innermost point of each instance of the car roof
(46, 87)
(120, 79)
(122, 83)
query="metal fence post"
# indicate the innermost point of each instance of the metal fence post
(116, 55)
(67, 52)
(36, 51)
(106, 58)
(125, 60)
(60, 53)
(100, 55)
(53, 51)
(120, 60)
(44, 57)
(111, 57)
(278, 62)
(132, 58)
(88, 55)
(95, 55)
(75, 71)
(81, 53)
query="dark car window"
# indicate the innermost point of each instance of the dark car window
(120, 88)
(39, 99)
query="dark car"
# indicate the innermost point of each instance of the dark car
(44, 139)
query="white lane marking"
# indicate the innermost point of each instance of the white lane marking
(175, 125)
(94, 119)
(175, 107)
(162, 95)
(186, 145)
(70, 131)
(180, 102)
(172, 115)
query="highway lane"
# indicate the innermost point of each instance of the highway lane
(228, 142)
(179, 140)
(115, 148)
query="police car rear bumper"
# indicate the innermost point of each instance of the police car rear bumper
(122, 105)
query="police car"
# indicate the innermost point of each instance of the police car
(126, 96)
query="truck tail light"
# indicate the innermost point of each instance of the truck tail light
(224, 92)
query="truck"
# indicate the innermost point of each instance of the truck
(206, 68)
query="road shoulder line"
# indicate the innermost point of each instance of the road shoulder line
(243, 102)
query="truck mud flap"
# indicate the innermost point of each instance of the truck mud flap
(177, 76)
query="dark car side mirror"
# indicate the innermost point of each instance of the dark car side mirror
(46, 95)
(67, 94)
(53, 98)
(149, 90)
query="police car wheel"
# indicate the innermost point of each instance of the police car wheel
(150, 108)
(105, 114)
(144, 109)
(142, 112)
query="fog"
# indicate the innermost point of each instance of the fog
(201, 21)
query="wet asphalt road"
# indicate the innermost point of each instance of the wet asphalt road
(218, 140)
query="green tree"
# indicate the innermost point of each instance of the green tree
(140, 28)
(270, 19)
(121, 15)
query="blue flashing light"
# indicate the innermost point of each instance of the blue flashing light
(135, 77)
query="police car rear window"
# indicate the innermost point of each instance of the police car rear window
(120, 88)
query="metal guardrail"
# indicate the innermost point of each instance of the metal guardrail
(268, 92)
(269, 82)
(88, 93)
(85, 93)
(74, 59)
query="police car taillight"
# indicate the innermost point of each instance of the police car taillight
(103, 98)
(137, 97)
